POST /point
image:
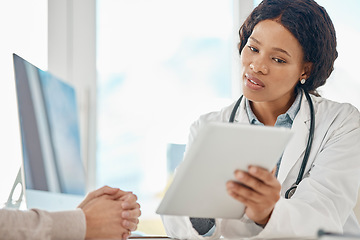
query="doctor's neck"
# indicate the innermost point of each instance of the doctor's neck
(268, 111)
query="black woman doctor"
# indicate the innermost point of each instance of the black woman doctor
(287, 50)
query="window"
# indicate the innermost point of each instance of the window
(23, 26)
(343, 84)
(160, 65)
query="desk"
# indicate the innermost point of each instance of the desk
(322, 235)
(325, 237)
(163, 238)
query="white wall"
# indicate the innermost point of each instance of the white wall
(23, 30)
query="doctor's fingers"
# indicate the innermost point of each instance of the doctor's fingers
(254, 183)
(264, 175)
(243, 193)
(239, 198)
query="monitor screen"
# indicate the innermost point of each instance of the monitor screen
(50, 132)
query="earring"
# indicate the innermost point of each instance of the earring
(302, 81)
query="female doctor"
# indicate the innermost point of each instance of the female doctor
(287, 51)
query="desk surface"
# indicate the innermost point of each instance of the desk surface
(164, 237)
(328, 236)
(334, 237)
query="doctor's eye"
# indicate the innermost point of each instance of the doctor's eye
(278, 60)
(253, 49)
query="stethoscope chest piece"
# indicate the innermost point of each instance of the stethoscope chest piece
(290, 192)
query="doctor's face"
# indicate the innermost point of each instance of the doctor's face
(272, 64)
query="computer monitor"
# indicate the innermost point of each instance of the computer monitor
(52, 169)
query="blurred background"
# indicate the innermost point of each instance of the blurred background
(144, 70)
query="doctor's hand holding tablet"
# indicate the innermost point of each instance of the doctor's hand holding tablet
(287, 50)
(223, 152)
(258, 189)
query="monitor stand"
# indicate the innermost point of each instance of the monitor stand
(50, 201)
(16, 193)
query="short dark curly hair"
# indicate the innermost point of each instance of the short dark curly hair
(311, 26)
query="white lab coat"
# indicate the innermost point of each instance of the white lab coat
(326, 196)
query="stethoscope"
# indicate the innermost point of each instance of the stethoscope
(292, 189)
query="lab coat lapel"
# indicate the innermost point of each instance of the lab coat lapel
(241, 116)
(297, 144)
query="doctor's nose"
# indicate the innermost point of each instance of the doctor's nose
(259, 67)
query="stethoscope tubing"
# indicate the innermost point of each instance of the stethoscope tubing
(310, 140)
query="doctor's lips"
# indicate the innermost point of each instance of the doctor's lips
(253, 81)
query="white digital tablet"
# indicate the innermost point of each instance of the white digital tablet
(199, 185)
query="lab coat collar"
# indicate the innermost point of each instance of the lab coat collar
(296, 147)
(241, 116)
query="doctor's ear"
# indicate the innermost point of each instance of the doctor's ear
(308, 66)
